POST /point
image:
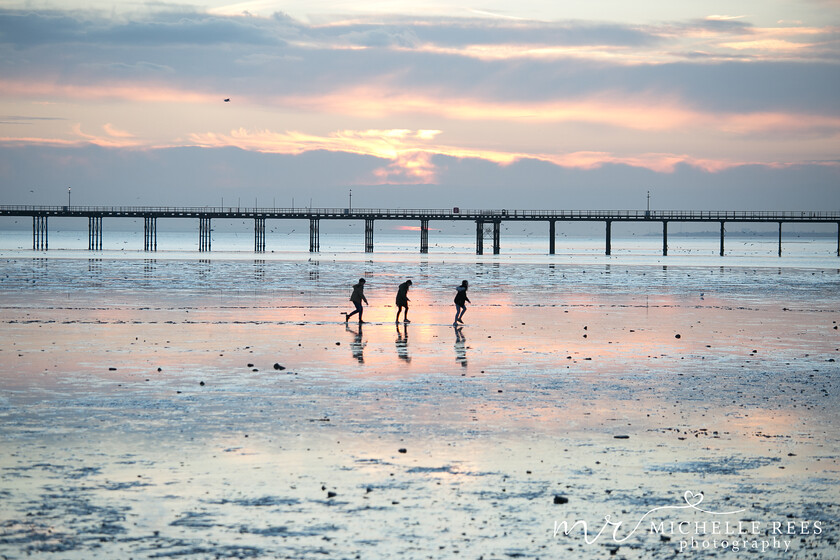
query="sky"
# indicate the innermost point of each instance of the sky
(531, 104)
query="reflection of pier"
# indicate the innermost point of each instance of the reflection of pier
(487, 222)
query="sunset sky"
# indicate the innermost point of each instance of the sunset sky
(536, 103)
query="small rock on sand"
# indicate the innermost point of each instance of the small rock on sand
(278, 367)
(561, 500)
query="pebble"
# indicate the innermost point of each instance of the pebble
(402, 450)
(278, 367)
(561, 500)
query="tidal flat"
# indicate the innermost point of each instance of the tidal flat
(202, 409)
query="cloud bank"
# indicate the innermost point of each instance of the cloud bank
(415, 93)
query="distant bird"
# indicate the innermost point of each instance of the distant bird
(227, 100)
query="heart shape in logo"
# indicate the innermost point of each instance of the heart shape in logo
(692, 498)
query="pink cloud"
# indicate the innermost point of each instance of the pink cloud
(120, 140)
(647, 112)
(409, 168)
(128, 91)
(411, 154)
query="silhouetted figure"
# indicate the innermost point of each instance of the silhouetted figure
(402, 300)
(460, 347)
(461, 300)
(357, 297)
(402, 343)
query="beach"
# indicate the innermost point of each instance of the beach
(187, 408)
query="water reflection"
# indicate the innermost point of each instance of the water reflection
(402, 342)
(357, 346)
(460, 346)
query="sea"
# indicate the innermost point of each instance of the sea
(185, 404)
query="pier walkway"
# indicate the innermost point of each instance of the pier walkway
(487, 222)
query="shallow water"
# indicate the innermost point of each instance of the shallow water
(143, 416)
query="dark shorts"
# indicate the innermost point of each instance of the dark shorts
(402, 302)
(358, 305)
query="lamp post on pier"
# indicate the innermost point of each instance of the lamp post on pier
(68, 197)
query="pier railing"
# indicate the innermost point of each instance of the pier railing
(432, 213)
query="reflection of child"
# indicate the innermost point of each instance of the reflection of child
(402, 300)
(357, 297)
(460, 301)
(460, 347)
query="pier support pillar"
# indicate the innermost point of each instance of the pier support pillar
(609, 237)
(259, 235)
(424, 236)
(496, 236)
(314, 235)
(664, 238)
(204, 230)
(780, 239)
(150, 233)
(552, 226)
(40, 233)
(95, 233)
(722, 233)
(368, 235)
(838, 239)
(479, 237)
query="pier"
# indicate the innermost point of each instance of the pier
(487, 222)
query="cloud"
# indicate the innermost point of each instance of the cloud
(645, 111)
(25, 119)
(408, 168)
(111, 130)
(25, 28)
(491, 59)
(709, 93)
(412, 153)
(407, 150)
(197, 177)
(124, 90)
(113, 138)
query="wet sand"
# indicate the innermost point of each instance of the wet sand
(155, 425)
